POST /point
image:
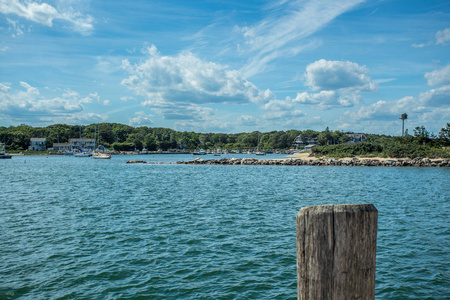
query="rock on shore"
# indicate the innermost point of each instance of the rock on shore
(366, 162)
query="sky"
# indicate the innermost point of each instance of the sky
(227, 66)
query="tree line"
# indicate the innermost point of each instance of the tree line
(122, 137)
(421, 144)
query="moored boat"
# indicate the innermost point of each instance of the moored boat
(3, 154)
(201, 152)
(82, 154)
(99, 155)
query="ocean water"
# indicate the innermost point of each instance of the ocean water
(79, 228)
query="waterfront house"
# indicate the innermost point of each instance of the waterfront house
(61, 147)
(356, 137)
(301, 141)
(38, 144)
(309, 147)
(82, 144)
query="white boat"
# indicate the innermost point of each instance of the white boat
(99, 155)
(82, 154)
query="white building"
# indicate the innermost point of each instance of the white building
(82, 144)
(62, 147)
(38, 144)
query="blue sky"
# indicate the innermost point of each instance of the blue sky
(226, 66)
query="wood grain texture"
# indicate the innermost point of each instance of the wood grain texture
(336, 252)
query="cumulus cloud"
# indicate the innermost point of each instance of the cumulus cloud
(180, 87)
(436, 114)
(337, 84)
(421, 105)
(335, 75)
(443, 36)
(439, 77)
(282, 33)
(45, 14)
(327, 99)
(281, 111)
(141, 119)
(28, 105)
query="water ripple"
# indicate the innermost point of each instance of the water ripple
(106, 230)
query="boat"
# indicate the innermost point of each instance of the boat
(260, 153)
(99, 155)
(144, 151)
(82, 154)
(3, 154)
(201, 152)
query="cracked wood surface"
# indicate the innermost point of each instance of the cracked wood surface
(336, 251)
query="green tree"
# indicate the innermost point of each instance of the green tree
(444, 136)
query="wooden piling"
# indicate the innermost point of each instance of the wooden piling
(336, 251)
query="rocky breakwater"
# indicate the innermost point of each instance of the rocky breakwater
(364, 162)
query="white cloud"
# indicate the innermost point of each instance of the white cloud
(422, 105)
(15, 27)
(335, 75)
(45, 14)
(281, 111)
(247, 120)
(179, 87)
(339, 84)
(280, 34)
(283, 115)
(443, 36)
(106, 102)
(435, 97)
(141, 119)
(127, 98)
(439, 77)
(327, 99)
(27, 105)
(436, 114)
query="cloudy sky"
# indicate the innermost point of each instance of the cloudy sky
(226, 66)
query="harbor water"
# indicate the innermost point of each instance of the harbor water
(80, 228)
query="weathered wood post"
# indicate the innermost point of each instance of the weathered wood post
(336, 252)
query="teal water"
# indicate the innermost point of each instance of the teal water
(78, 228)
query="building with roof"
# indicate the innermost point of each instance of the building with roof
(38, 144)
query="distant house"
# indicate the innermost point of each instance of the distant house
(356, 137)
(61, 147)
(38, 144)
(301, 141)
(309, 147)
(82, 144)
